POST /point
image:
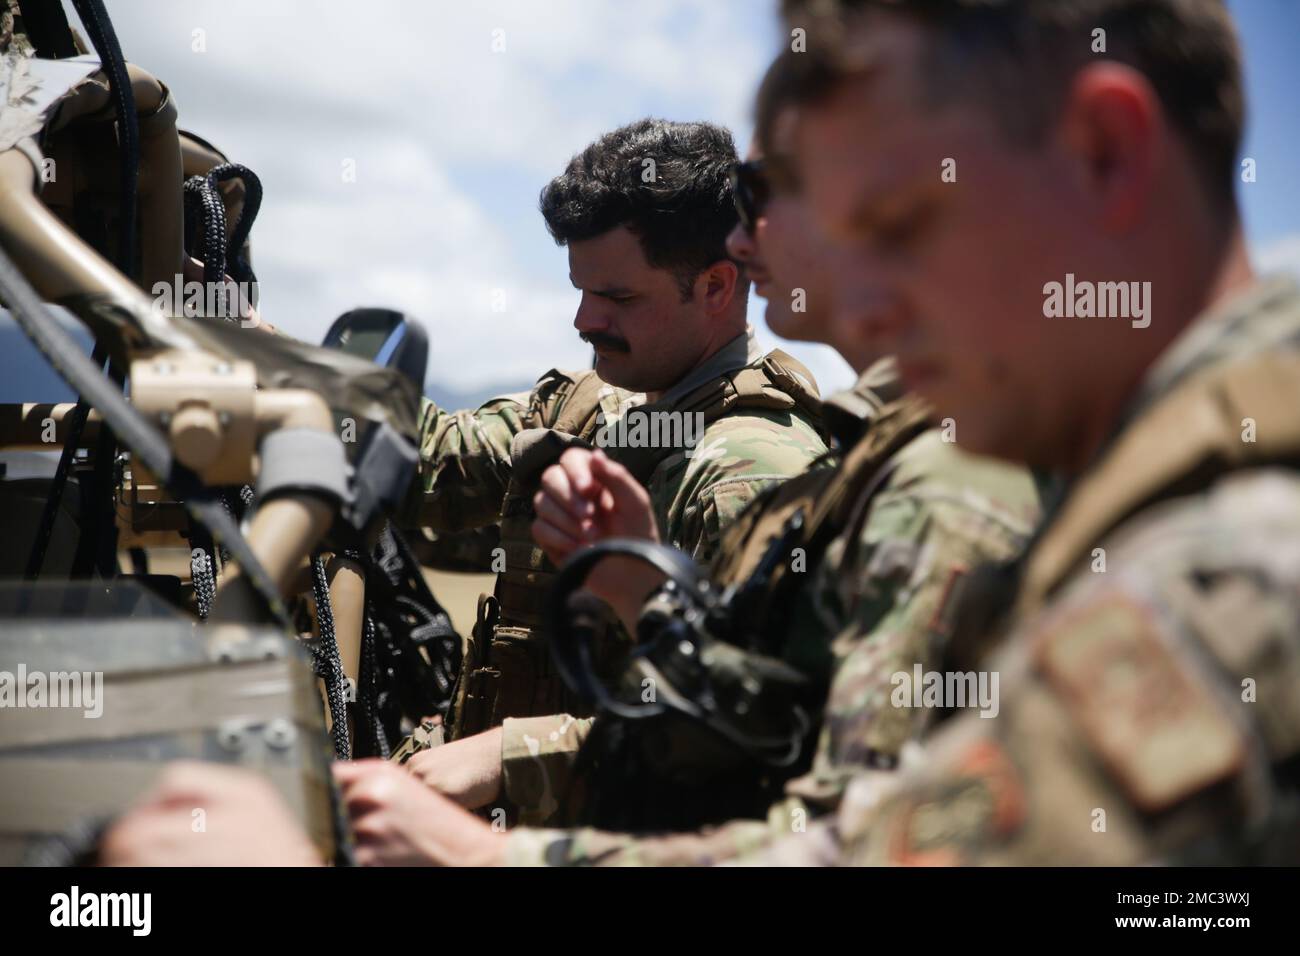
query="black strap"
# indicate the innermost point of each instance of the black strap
(327, 663)
(46, 26)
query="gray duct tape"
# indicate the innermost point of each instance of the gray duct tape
(303, 459)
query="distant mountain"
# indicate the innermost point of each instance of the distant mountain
(457, 399)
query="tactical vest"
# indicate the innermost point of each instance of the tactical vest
(507, 670)
(1184, 444)
(669, 772)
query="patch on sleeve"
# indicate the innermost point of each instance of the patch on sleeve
(943, 620)
(982, 800)
(1154, 724)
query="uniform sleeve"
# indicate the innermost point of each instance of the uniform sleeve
(537, 756)
(465, 463)
(1139, 720)
(697, 494)
(883, 596)
(940, 516)
(465, 456)
(586, 847)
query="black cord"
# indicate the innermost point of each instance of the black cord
(327, 662)
(368, 709)
(102, 36)
(203, 570)
(205, 210)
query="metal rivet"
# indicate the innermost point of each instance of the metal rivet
(232, 737)
(280, 734)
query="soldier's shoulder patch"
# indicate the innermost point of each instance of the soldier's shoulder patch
(980, 800)
(1151, 719)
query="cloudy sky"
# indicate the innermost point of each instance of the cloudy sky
(451, 141)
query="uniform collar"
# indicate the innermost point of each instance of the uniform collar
(740, 352)
(847, 414)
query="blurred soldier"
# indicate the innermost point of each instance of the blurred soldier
(1150, 674)
(680, 393)
(980, 160)
(906, 517)
(889, 539)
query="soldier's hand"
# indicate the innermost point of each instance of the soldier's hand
(202, 814)
(242, 308)
(468, 770)
(398, 821)
(585, 498)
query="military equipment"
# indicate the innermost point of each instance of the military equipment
(241, 464)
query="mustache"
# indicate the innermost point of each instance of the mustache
(600, 340)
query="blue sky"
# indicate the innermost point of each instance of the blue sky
(452, 141)
(1270, 33)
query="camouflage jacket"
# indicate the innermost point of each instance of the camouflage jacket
(1149, 707)
(876, 603)
(465, 460)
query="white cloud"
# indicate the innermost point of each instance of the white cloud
(451, 142)
(1280, 255)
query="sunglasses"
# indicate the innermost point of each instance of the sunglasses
(750, 191)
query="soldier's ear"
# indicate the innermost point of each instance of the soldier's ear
(717, 285)
(1117, 137)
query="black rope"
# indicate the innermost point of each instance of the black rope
(236, 503)
(205, 225)
(203, 570)
(327, 663)
(368, 693)
(205, 208)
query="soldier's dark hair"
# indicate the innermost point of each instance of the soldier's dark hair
(680, 207)
(1018, 57)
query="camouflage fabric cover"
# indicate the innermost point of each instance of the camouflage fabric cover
(425, 737)
(874, 605)
(1148, 712)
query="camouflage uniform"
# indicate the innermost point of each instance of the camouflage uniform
(1149, 707)
(757, 424)
(877, 602)
(465, 457)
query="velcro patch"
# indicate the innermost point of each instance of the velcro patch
(1153, 723)
(981, 800)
